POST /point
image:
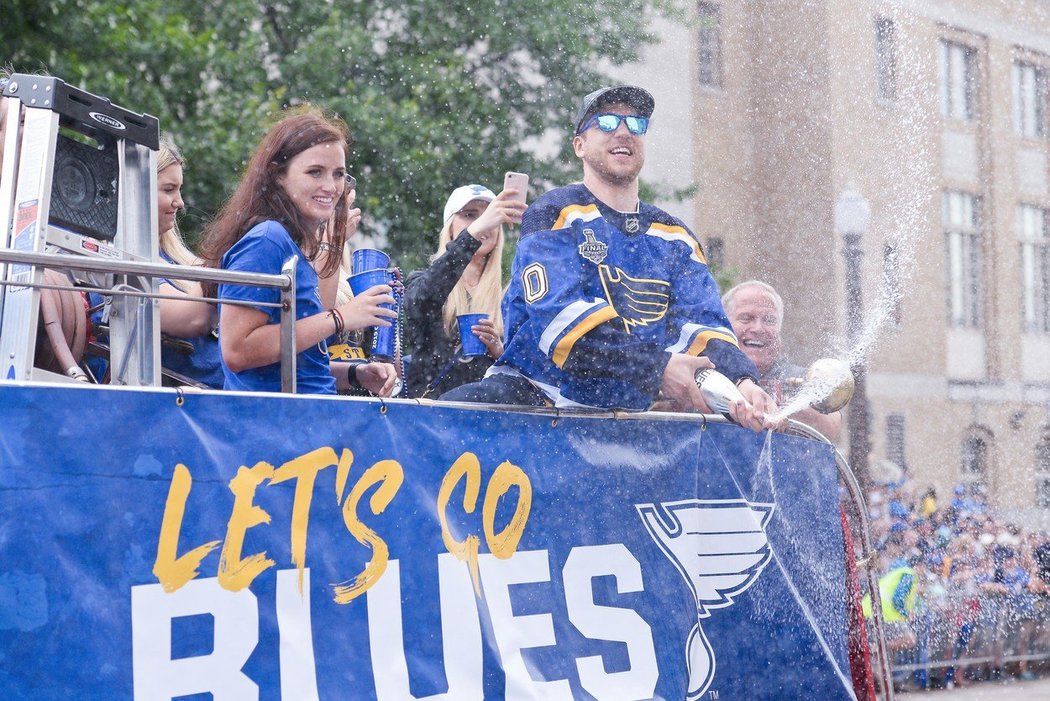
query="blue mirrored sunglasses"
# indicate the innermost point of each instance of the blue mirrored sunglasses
(609, 122)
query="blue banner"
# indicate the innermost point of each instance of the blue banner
(156, 545)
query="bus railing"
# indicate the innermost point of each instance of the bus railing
(284, 283)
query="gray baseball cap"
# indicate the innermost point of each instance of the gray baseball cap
(638, 98)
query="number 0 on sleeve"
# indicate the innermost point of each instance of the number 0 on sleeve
(534, 282)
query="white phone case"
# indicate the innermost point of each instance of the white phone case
(517, 181)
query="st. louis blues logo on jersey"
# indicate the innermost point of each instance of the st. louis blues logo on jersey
(637, 301)
(720, 548)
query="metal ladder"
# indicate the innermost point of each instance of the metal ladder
(58, 191)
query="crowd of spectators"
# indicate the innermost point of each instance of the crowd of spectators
(966, 591)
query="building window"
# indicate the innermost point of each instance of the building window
(1035, 268)
(895, 440)
(976, 448)
(1042, 470)
(709, 40)
(891, 282)
(958, 78)
(962, 235)
(1029, 99)
(885, 58)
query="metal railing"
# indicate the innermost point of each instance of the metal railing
(953, 636)
(284, 283)
(866, 562)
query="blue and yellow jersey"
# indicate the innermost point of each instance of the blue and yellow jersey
(599, 299)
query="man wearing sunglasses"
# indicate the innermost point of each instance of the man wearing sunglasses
(610, 302)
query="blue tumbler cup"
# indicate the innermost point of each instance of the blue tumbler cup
(365, 259)
(472, 345)
(381, 340)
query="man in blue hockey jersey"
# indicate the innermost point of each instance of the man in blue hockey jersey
(610, 302)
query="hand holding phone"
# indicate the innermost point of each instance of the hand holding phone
(505, 209)
(518, 182)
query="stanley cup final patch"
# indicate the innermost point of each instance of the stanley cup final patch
(592, 249)
(720, 549)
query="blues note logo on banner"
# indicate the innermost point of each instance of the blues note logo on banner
(720, 548)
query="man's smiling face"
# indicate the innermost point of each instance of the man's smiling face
(615, 157)
(756, 324)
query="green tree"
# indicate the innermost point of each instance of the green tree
(437, 93)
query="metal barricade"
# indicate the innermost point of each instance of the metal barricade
(971, 636)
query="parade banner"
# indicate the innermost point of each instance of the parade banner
(160, 545)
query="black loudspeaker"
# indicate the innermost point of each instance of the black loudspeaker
(84, 188)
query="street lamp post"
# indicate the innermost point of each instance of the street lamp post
(852, 216)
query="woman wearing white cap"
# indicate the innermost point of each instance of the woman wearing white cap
(465, 277)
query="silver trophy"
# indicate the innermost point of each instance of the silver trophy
(832, 382)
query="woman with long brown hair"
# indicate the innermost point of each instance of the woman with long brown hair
(292, 202)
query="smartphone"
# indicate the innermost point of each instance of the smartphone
(517, 181)
(351, 182)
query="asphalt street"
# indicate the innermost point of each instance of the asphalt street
(1038, 690)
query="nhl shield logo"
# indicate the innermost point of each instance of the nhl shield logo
(720, 548)
(631, 225)
(592, 249)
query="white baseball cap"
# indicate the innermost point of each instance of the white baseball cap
(461, 196)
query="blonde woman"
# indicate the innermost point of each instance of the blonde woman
(465, 277)
(189, 347)
(192, 348)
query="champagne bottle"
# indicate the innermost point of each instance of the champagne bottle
(717, 389)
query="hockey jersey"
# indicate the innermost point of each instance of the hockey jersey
(599, 299)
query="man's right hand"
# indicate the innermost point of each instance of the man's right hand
(679, 382)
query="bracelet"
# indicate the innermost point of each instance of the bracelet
(324, 247)
(351, 376)
(337, 317)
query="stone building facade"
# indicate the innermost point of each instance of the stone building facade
(936, 112)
